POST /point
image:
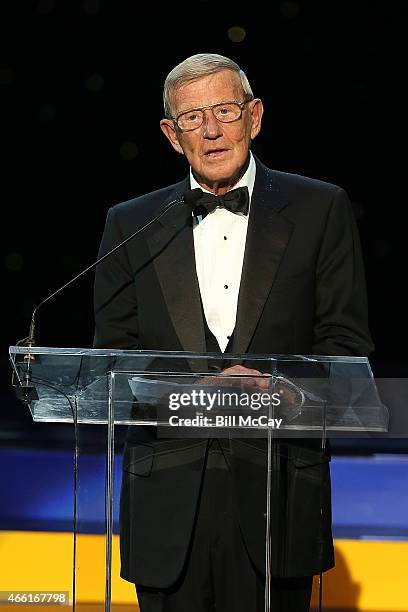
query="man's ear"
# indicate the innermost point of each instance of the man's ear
(168, 129)
(256, 112)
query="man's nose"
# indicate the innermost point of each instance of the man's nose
(212, 127)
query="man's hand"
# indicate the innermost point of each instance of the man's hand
(239, 376)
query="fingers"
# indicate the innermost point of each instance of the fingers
(247, 377)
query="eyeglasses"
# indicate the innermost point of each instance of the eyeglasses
(226, 112)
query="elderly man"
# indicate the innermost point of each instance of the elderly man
(267, 262)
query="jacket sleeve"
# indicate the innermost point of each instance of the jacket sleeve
(115, 303)
(341, 324)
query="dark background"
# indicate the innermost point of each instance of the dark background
(81, 85)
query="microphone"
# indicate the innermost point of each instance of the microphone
(189, 197)
(28, 390)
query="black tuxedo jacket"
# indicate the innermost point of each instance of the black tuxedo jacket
(302, 292)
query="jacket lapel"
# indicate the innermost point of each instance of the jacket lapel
(172, 249)
(267, 238)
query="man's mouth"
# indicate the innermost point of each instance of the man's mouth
(215, 153)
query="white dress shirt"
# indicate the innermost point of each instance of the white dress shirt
(219, 244)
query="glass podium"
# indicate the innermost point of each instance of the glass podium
(166, 410)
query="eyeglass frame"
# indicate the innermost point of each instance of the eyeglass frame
(210, 107)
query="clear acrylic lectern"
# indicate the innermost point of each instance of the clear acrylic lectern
(272, 428)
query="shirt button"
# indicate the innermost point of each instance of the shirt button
(225, 286)
(225, 237)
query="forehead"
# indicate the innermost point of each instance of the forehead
(204, 91)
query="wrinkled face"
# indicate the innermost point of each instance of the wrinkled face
(217, 152)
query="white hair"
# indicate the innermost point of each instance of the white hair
(198, 66)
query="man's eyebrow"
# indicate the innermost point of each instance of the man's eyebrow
(188, 110)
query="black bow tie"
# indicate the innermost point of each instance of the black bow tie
(236, 200)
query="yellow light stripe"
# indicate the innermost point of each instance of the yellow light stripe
(369, 575)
